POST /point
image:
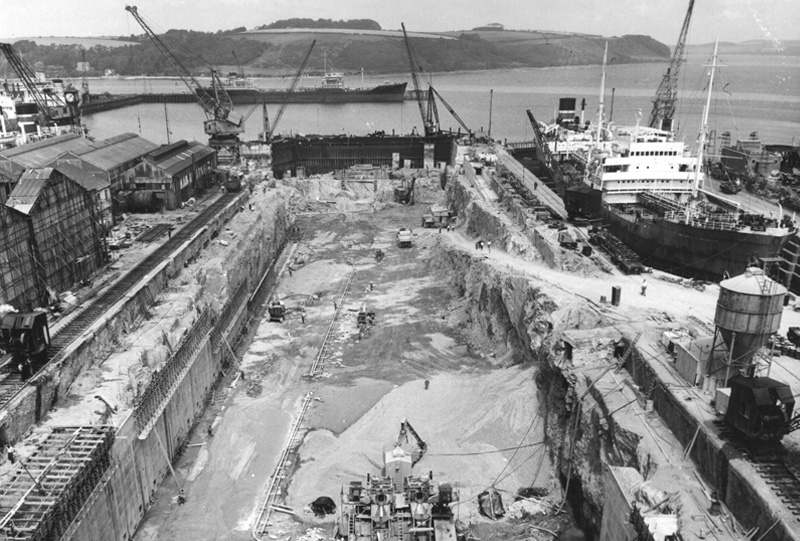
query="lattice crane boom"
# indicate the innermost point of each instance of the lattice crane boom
(667, 93)
(452, 111)
(427, 120)
(216, 102)
(292, 88)
(51, 107)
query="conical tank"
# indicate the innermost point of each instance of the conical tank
(749, 309)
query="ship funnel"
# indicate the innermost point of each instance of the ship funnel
(749, 309)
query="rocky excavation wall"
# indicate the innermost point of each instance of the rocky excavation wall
(142, 458)
(514, 318)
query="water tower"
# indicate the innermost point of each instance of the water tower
(749, 310)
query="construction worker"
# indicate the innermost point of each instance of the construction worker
(427, 384)
(303, 318)
(489, 246)
(644, 287)
(181, 497)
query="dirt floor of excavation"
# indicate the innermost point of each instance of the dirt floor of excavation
(481, 421)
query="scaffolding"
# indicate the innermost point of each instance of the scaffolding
(45, 492)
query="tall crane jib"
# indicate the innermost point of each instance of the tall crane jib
(54, 109)
(667, 94)
(427, 120)
(222, 124)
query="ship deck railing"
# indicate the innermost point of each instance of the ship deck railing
(723, 223)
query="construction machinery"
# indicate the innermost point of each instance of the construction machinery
(426, 102)
(364, 319)
(760, 409)
(543, 154)
(406, 432)
(277, 311)
(438, 216)
(404, 191)
(222, 124)
(25, 336)
(404, 238)
(57, 107)
(667, 93)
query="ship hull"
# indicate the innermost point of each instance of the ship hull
(692, 251)
(389, 93)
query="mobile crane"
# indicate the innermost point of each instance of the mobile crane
(429, 110)
(270, 129)
(222, 124)
(667, 93)
(54, 110)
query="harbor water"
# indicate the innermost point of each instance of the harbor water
(752, 93)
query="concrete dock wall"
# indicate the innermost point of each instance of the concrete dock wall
(33, 403)
(718, 463)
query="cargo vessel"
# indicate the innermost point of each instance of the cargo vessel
(647, 188)
(332, 90)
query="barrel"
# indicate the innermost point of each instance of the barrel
(616, 294)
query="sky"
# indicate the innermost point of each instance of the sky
(727, 20)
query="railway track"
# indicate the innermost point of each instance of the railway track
(782, 477)
(11, 384)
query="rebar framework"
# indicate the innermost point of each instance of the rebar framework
(47, 490)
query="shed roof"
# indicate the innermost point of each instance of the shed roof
(91, 180)
(178, 156)
(33, 155)
(116, 151)
(24, 195)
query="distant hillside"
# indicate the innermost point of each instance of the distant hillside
(385, 52)
(752, 47)
(360, 24)
(279, 51)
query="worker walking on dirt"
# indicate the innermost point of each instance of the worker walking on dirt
(644, 287)
(427, 384)
(303, 318)
(489, 246)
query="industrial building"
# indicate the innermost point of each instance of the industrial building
(169, 176)
(51, 238)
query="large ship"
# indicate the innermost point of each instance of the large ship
(331, 90)
(647, 188)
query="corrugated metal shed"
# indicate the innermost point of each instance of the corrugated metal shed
(40, 153)
(27, 191)
(178, 156)
(90, 180)
(116, 151)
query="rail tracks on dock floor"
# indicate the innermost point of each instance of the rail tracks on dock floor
(273, 490)
(12, 384)
(319, 360)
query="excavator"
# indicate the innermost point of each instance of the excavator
(406, 432)
(222, 124)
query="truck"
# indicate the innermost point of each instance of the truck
(404, 238)
(277, 311)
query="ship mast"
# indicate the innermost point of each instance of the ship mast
(704, 128)
(602, 94)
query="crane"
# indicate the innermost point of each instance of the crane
(53, 109)
(407, 430)
(271, 130)
(222, 124)
(543, 149)
(667, 93)
(427, 120)
(432, 90)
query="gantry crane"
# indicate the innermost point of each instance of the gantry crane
(271, 129)
(222, 124)
(53, 109)
(667, 93)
